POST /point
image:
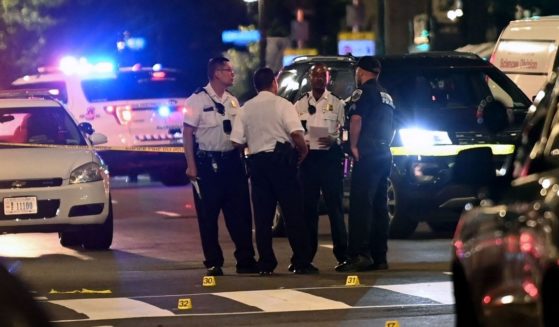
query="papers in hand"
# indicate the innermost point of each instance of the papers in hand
(197, 188)
(316, 132)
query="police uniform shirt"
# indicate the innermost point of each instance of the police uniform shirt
(376, 108)
(265, 120)
(329, 112)
(201, 113)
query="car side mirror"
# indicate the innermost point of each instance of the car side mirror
(86, 128)
(98, 138)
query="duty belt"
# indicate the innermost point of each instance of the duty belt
(217, 154)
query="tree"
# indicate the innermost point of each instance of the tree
(23, 24)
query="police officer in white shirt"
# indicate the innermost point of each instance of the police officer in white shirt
(322, 113)
(269, 126)
(217, 171)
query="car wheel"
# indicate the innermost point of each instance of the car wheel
(466, 314)
(70, 239)
(100, 237)
(172, 177)
(401, 224)
(278, 227)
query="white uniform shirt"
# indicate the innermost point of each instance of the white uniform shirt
(329, 112)
(265, 120)
(201, 113)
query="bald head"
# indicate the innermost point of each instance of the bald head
(319, 77)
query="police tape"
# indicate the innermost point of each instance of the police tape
(163, 149)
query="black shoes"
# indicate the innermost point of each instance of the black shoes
(360, 264)
(265, 273)
(306, 270)
(379, 266)
(214, 271)
(253, 269)
(291, 268)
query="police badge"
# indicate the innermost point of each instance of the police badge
(356, 95)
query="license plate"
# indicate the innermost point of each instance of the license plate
(20, 206)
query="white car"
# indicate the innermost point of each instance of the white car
(133, 106)
(52, 180)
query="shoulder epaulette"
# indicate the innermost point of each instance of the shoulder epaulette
(335, 96)
(199, 90)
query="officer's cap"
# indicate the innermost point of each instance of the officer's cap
(370, 64)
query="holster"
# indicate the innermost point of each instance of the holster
(284, 152)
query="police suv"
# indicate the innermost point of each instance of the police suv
(138, 108)
(441, 100)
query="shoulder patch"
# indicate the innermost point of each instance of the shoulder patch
(200, 90)
(356, 95)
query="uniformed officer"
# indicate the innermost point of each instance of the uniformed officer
(269, 126)
(370, 133)
(323, 115)
(216, 170)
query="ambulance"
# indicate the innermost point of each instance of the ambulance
(527, 52)
(138, 108)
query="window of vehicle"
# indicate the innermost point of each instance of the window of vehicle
(134, 86)
(39, 126)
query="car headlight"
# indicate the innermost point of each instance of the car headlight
(415, 137)
(90, 172)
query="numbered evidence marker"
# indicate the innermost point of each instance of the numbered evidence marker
(185, 304)
(352, 281)
(392, 323)
(208, 281)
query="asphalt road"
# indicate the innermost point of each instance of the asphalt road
(153, 276)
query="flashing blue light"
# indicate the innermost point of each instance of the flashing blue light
(164, 111)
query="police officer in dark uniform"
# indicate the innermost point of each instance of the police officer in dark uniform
(371, 130)
(271, 129)
(322, 170)
(216, 170)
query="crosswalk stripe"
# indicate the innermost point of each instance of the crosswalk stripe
(283, 300)
(439, 291)
(113, 308)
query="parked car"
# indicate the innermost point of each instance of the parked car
(440, 98)
(133, 106)
(52, 180)
(506, 250)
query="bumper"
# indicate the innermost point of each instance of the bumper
(136, 162)
(59, 208)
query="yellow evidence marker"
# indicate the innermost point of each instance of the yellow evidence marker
(352, 281)
(185, 304)
(392, 323)
(208, 281)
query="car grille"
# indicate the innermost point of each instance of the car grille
(45, 209)
(29, 183)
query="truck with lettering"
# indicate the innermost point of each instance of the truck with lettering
(527, 52)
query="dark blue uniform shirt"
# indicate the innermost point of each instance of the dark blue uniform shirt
(376, 108)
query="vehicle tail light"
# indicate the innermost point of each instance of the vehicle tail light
(122, 114)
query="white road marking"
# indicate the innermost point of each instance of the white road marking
(283, 300)
(113, 308)
(438, 291)
(168, 213)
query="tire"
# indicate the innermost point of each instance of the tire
(70, 239)
(100, 237)
(466, 314)
(401, 225)
(278, 226)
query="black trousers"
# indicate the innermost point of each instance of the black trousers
(368, 212)
(224, 187)
(322, 170)
(273, 180)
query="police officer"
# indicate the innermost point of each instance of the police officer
(269, 126)
(370, 133)
(217, 171)
(322, 170)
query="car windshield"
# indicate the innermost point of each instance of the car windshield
(56, 89)
(49, 125)
(135, 86)
(295, 82)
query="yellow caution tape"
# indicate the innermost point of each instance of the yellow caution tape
(82, 291)
(166, 149)
(449, 150)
